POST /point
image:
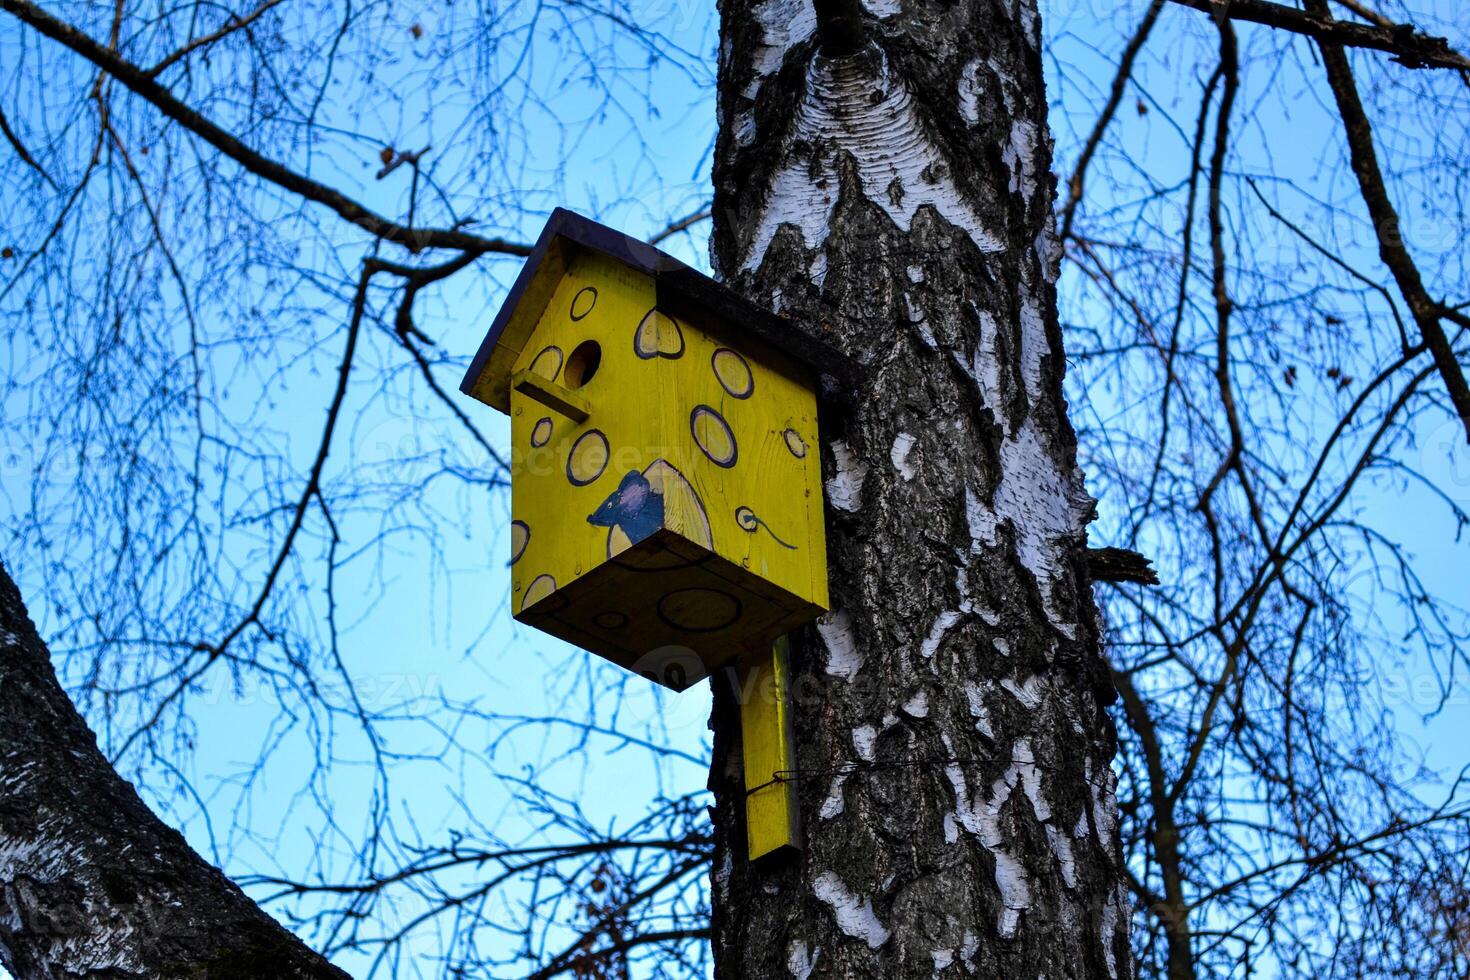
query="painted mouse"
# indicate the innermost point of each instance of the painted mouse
(634, 507)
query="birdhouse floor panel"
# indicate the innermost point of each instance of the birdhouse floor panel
(668, 609)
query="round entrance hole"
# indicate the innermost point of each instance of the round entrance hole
(583, 364)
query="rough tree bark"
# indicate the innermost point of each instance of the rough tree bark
(92, 884)
(882, 175)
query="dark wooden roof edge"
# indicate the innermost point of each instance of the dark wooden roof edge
(673, 280)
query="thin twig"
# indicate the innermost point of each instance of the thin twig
(683, 224)
(229, 27)
(22, 152)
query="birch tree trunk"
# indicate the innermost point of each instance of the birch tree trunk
(882, 175)
(92, 884)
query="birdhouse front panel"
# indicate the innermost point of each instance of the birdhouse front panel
(666, 484)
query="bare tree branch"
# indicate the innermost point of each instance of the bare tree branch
(1386, 223)
(310, 493)
(622, 946)
(1076, 185)
(140, 82)
(1408, 46)
(22, 152)
(93, 883)
(683, 224)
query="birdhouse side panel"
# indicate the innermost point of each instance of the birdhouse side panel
(565, 473)
(742, 425)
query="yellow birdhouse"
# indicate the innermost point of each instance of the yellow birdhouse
(666, 487)
(666, 493)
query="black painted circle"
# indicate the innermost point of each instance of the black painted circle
(673, 666)
(541, 432)
(795, 443)
(668, 561)
(538, 584)
(715, 419)
(647, 353)
(552, 353)
(610, 620)
(741, 391)
(586, 443)
(522, 531)
(587, 294)
(727, 610)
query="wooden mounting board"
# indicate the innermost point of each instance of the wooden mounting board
(765, 736)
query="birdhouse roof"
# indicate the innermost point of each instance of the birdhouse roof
(677, 288)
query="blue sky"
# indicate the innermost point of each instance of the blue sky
(423, 613)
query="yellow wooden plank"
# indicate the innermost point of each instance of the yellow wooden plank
(765, 732)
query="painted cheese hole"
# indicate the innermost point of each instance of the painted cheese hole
(541, 434)
(610, 620)
(520, 536)
(583, 363)
(583, 302)
(699, 610)
(541, 587)
(683, 513)
(713, 436)
(548, 363)
(795, 443)
(658, 335)
(733, 373)
(659, 561)
(588, 458)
